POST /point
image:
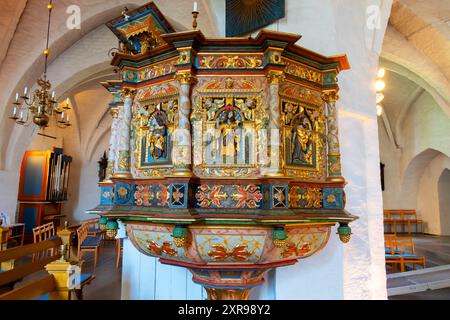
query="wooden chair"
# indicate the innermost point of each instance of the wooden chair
(93, 227)
(401, 251)
(88, 243)
(44, 232)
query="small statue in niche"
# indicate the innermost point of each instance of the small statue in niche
(247, 107)
(172, 115)
(213, 106)
(227, 123)
(301, 141)
(157, 134)
(102, 166)
(290, 110)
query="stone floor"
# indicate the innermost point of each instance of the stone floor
(108, 280)
(436, 249)
(107, 285)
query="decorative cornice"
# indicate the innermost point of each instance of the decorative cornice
(185, 77)
(330, 96)
(128, 93)
(114, 112)
(275, 76)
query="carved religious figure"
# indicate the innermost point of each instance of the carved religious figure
(172, 114)
(212, 106)
(247, 107)
(157, 134)
(301, 140)
(228, 124)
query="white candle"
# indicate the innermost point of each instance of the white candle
(62, 116)
(68, 118)
(39, 109)
(25, 91)
(21, 115)
(14, 111)
(67, 102)
(53, 94)
(17, 96)
(194, 8)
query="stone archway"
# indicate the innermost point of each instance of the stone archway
(444, 201)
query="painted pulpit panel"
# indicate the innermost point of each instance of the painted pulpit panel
(155, 115)
(303, 131)
(227, 119)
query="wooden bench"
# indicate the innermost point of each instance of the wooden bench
(400, 251)
(53, 285)
(404, 219)
(88, 242)
(17, 264)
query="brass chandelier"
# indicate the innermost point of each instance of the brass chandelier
(41, 105)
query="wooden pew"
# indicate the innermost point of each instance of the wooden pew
(53, 286)
(9, 277)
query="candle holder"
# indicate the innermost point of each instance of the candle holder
(194, 19)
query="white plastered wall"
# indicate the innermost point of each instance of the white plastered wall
(412, 171)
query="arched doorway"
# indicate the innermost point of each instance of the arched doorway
(444, 201)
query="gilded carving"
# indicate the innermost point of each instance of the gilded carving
(227, 116)
(128, 93)
(304, 134)
(296, 92)
(230, 62)
(150, 72)
(303, 72)
(185, 77)
(275, 77)
(300, 197)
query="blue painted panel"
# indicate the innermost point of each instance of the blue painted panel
(29, 219)
(333, 198)
(106, 195)
(33, 175)
(124, 194)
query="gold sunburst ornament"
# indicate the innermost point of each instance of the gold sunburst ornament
(41, 105)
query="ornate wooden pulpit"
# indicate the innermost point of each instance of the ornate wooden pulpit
(224, 154)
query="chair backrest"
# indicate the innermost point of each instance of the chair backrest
(399, 214)
(404, 245)
(82, 233)
(389, 242)
(43, 232)
(91, 224)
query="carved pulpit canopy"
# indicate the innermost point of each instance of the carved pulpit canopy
(140, 30)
